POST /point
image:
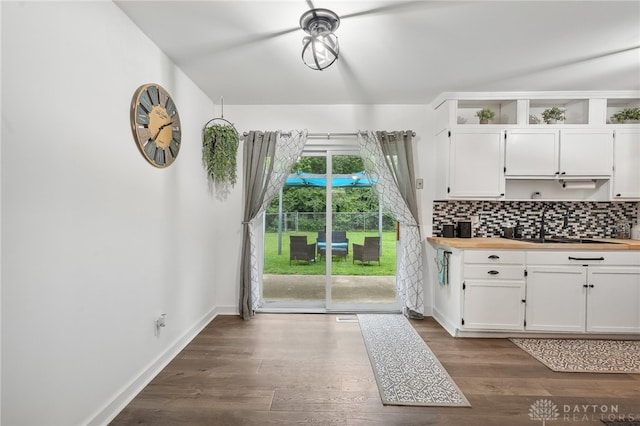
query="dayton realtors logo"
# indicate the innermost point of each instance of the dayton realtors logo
(545, 410)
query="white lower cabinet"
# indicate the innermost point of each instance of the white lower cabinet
(545, 291)
(613, 300)
(493, 305)
(493, 290)
(555, 298)
(583, 292)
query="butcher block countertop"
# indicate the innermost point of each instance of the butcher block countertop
(504, 243)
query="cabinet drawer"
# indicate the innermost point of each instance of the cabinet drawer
(585, 257)
(494, 256)
(497, 272)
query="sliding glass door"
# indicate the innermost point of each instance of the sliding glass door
(329, 206)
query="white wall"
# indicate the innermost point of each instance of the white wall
(96, 243)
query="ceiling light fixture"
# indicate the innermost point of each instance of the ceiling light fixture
(320, 47)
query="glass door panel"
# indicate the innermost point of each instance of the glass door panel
(329, 201)
(364, 259)
(294, 274)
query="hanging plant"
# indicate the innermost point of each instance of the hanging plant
(219, 148)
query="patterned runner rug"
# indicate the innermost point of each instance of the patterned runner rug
(584, 355)
(621, 422)
(406, 371)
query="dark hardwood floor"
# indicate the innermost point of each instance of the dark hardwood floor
(282, 369)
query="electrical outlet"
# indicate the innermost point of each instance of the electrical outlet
(161, 322)
(475, 221)
(419, 183)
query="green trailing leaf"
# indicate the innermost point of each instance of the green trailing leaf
(219, 149)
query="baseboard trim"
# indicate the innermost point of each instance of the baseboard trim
(227, 310)
(447, 325)
(105, 415)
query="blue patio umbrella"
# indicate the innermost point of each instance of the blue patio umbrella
(311, 180)
(354, 180)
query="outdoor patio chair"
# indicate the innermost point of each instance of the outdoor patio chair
(299, 249)
(339, 243)
(368, 252)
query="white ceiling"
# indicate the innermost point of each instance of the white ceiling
(397, 52)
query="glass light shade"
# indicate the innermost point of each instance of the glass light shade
(320, 51)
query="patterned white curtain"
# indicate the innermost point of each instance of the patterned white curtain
(268, 160)
(388, 162)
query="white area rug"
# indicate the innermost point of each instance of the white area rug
(406, 370)
(584, 355)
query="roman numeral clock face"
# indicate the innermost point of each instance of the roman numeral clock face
(155, 124)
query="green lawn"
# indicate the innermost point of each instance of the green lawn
(279, 264)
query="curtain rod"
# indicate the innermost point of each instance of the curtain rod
(328, 135)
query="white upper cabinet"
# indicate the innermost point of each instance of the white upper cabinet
(573, 158)
(551, 153)
(532, 152)
(626, 172)
(475, 164)
(587, 153)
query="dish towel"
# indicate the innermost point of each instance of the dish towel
(442, 262)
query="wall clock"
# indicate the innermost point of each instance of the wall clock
(155, 124)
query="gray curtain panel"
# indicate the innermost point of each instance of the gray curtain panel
(388, 159)
(268, 159)
(397, 148)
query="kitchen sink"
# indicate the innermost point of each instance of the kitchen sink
(564, 240)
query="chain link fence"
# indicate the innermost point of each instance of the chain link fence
(312, 222)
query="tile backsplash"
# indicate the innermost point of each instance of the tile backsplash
(581, 219)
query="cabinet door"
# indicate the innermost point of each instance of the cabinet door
(443, 145)
(556, 298)
(626, 164)
(613, 299)
(531, 153)
(586, 152)
(476, 163)
(493, 305)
